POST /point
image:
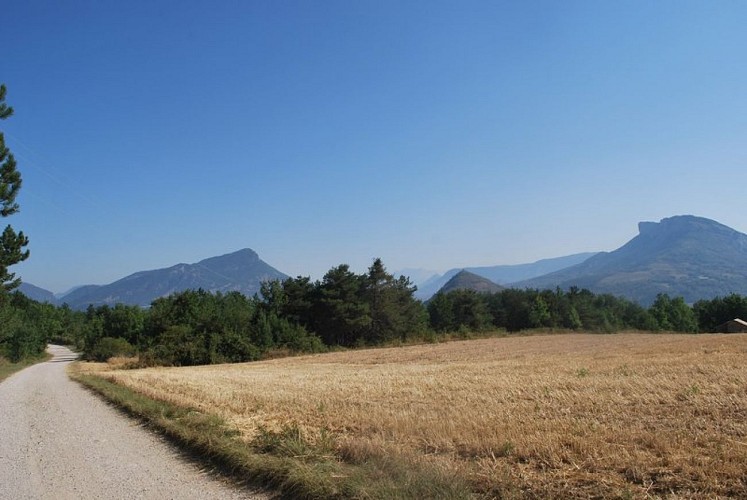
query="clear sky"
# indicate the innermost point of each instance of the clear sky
(431, 134)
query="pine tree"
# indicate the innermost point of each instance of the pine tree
(11, 243)
(395, 314)
(342, 313)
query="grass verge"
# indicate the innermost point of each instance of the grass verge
(7, 368)
(287, 461)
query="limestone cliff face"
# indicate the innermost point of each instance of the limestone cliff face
(687, 256)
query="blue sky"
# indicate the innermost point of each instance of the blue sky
(430, 134)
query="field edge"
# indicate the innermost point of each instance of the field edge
(311, 474)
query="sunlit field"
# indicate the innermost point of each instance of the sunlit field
(623, 415)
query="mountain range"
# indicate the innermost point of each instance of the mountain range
(684, 255)
(502, 275)
(242, 271)
(36, 293)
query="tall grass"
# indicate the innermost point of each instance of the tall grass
(575, 415)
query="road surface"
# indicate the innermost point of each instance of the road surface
(58, 441)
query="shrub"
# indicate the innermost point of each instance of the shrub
(23, 342)
(108, 347)
(180, 345)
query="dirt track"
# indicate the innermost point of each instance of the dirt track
(58, 441)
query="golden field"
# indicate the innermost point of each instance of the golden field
(574, 415)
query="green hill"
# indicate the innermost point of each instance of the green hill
(465, 280)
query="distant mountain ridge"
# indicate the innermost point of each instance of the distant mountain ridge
(503, 274)
(684, 255)
(242, 271)
(36, 293)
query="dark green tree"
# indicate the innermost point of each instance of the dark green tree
(714, 312)
(342, 313)
(123, 321)
(673, 314)
(274, 296)
(513, 314)
(539, 313)
(11, 243)
(441, 312)
(470, 310)
(462, 309)
(395, 314)
(301, 294)
(571, 319)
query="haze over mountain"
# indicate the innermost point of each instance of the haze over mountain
(687, 256)
(36, 293)
(418, 276)
(241, 271)
(465, 280)
(502, 274)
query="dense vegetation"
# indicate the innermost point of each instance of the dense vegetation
(12, 244)
(20, 329)
(26, 326)
(515, 310)
(343, 309)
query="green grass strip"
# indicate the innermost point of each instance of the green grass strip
(210, 439)
(7, 368)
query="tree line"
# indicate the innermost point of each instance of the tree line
(20, 331)
(196, 327)
(574, 309)
(342, 310)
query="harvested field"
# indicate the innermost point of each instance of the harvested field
(625, 415)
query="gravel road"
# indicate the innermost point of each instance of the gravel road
(58, 441)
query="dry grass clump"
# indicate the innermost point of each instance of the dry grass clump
(623, 415)
(123, 362)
